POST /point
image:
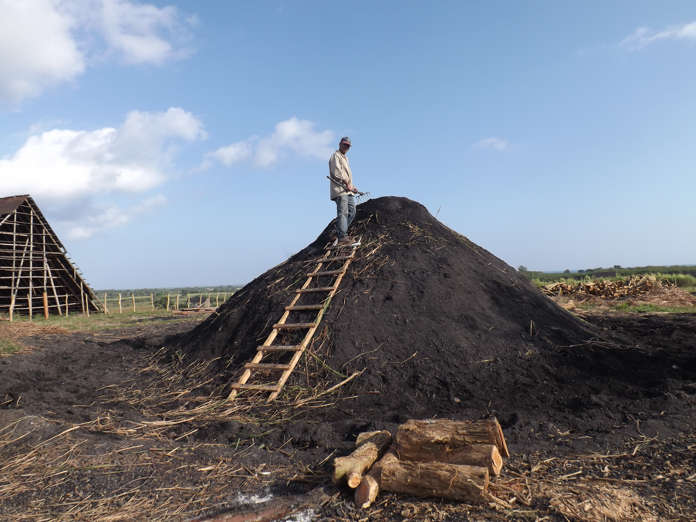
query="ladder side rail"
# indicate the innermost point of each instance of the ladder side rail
(274, 333)
(310, 333)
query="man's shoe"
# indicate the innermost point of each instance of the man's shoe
(348, 241)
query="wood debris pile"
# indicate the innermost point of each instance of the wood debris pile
(429, 458)
(632, 287)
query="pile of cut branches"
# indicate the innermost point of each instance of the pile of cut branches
(634, 286)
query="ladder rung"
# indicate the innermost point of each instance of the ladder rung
(262, 387)
(295, 308)
(315, 289)
(337, 258)
(266, 366)
(294, 326)
(279, 348)
(326, 273)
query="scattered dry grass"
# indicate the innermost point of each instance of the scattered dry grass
(120, 467)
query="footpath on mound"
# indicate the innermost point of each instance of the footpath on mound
(438, 326)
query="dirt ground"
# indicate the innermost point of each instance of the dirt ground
(100, 426)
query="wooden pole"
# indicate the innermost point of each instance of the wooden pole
(31, 317)
(14, 262)
(45, 303)
(167, 302)
(152, 301)
(133, 299)
(120, 309)
(217, 300)
(45, 272)
(106, 309)
(188, 300)
(67, 307)
(82, 297)
(87, 303)
(53, 285)
(31, 261)
(19, 274)
(177, 302)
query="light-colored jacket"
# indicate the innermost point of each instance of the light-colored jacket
(339, 170)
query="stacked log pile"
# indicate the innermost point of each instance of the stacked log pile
(632, 287)
(429, 458)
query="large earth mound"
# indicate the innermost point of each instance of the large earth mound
(440, 326)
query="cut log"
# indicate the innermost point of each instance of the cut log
(486, 455)
(435, 479)
(381, 438)
(367, 491)
(370, 447)
(442, 436)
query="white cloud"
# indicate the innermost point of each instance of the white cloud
(233, 153)
(66, 170)
(47, 42)
(111, 216)
(293, 135)
(37, 49)
(644, 36)
(143, 33)
(491, 143)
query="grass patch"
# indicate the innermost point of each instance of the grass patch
(7, 347)
(651, 308)
(100, 322)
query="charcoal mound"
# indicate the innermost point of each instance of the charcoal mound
(440, 326)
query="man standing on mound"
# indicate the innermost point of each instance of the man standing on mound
(341, 190)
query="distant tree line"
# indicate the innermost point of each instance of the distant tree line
(615, 271)
(182, 290)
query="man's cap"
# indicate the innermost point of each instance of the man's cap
(345, 139)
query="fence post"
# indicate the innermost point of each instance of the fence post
(45, 303)
(67, 306)
(217, 299)
(133, 298)
(152, 300)
(12, 302)
(167, 302)
(106, 308)
(120, 308)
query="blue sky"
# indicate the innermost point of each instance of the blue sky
(186, 143)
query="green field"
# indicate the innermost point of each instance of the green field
(146, 297)
(683, 276)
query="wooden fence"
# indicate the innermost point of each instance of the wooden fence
(118, 303)
(65, 304)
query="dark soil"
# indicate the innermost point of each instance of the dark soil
(597, 406)
(441, 328)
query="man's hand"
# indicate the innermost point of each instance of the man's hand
(354, 190)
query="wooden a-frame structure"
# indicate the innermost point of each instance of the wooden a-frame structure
(36, 273)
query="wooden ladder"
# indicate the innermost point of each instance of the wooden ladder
(333, 265)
